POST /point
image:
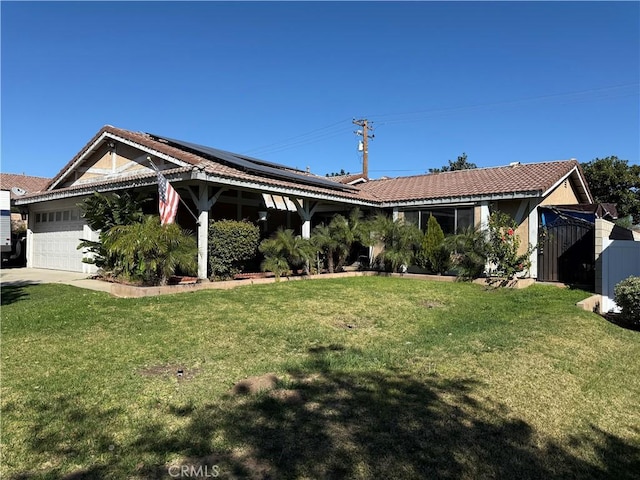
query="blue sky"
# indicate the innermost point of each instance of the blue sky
(503, 82)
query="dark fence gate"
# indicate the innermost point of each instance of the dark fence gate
(566, 252)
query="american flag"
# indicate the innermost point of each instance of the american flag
(169, 200)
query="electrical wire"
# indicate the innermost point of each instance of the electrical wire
(340, 127)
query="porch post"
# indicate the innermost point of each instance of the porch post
(533, 237)
(203, 241)
(204, 203)
(306, 211)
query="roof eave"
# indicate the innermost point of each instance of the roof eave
(462, 199)
(279, 190)
(580, 183)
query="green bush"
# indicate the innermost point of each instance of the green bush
(470, 250)
(627, 296)
(103, 212)
(150, 253)
(285, 249)
(433, 254)
(231, 245)
(401, 242)
(503, 247)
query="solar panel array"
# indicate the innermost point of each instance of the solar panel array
(253, 165)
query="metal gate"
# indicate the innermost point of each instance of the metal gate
(566, 252)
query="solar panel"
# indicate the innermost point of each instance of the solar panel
(254, 165)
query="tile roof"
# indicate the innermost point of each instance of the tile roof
(533, 178)
(208, 165)
(517, 178)
(26, 182)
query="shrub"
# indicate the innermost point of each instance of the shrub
(401, 241)
(150, 253)
(285, 248)
(470, 251)
(504, 245)
(433, 254)
(231, 245)
(102, 212)
(627, 296)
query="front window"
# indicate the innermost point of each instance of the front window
(451, 219)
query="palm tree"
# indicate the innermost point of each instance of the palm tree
(324, 241)
(152, 252)
(297, 251)
(347, 232)
(401, 240)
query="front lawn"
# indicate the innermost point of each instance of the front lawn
(377, 378)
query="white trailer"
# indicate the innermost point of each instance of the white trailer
(5, 223)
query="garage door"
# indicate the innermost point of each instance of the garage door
(55, 239)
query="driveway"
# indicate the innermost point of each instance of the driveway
(21, 276)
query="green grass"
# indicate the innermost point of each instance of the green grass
(379, 378)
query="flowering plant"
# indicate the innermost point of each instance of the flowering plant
(504, 247)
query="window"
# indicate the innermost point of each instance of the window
(451, 219)
(38, 218)
(65, 216)
(412, 217)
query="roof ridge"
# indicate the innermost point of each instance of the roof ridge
(514, 164)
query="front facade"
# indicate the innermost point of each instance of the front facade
(215, 184)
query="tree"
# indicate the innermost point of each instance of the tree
(470, 251)
(460, 164)
(341, 173)
(348, 231)
(102, 213)
(150, 252)
(401, 241)
(434, 255)
(323, 239)
(613, 180)
(284, 246)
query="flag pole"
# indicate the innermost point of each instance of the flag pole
(179, 197)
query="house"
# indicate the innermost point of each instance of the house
(17, 185)
(218, 184)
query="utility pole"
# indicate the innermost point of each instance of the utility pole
(364, 133)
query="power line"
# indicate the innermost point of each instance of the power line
(574, 96)
(287, 141)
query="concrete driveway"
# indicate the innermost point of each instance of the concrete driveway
(22, 276)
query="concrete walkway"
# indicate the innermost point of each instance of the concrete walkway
(22, 276)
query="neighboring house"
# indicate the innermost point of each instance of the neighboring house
(19, 185)
(218, 184)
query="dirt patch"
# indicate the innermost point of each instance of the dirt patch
(290, 397)
(351, 322)
(180, 372)
(431, 304)
(253, 385)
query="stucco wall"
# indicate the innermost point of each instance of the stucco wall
(101, 164)
(563, 194)
(518, 210)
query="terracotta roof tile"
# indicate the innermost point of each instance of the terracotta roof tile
(518, 178)
(26, 182)
(208, 165)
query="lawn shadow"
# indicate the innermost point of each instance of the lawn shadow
(330, 424)
(11, 292)
(324, 423)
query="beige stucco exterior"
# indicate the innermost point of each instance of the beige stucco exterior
(563, 194)
(106, 163)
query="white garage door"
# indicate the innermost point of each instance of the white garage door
(55, 238)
